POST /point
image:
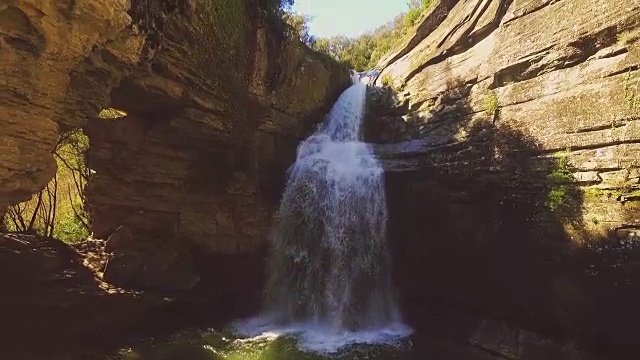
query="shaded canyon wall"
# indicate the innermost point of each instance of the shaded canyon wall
(511, 139)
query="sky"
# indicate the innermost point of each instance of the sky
(348, 17)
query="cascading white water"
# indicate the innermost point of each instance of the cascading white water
(329, 270)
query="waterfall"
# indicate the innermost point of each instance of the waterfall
(329, 269)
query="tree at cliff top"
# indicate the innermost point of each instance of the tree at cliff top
(359, 53)
(276, 6)
(363, 52)
(416, 9)
(298, 26)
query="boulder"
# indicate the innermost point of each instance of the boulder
(157, 264)
(121, 238)
(122, 266)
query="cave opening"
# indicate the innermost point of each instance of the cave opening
(58, 210)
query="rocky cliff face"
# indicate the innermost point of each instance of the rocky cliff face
(51, 56)
(200, 158)
(511, 141)
(216, 99)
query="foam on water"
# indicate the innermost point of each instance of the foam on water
(329, 283)
(318, 338)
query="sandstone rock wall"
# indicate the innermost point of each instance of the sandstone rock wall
(512, 148)
(435, 14)
(200, 159)
(216, 99)
(52, 55)
(198, 155)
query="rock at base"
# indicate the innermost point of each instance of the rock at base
(159, 264)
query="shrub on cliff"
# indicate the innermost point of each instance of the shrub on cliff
(416, 9)
(298, 27)
(560, 178)
(278, 7)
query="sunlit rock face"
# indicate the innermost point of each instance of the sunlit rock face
(54, 76)
(510, 141)
(214, 106)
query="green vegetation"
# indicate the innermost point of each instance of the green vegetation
(278, 7)
(628, 37)
(298, 26)
(387, 80)
(221, 38)
(632, 89)
(363, 52)
(416, 9)
(556, 197)
(491, 103)
(595, 194)
(229, 20)
(560, 179)
(111, 113)
(622, 189)
(622, 194)
(58, 210)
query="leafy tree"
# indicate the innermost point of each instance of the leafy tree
(278, 7)
(299, 26)
(416, 9)
(359, 53)
(420, 4)
(364, 52)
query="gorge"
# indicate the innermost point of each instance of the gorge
(506, 131)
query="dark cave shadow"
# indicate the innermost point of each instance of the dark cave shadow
(51, 297)
(480, 231)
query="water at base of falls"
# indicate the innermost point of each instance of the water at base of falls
(329, 269)
(316, 337)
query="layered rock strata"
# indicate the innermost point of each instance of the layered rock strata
(211, 98)
(511, 141)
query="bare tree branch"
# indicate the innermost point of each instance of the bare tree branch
(35, 212)
(77, 213)
(40, 213)
(54, 205)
